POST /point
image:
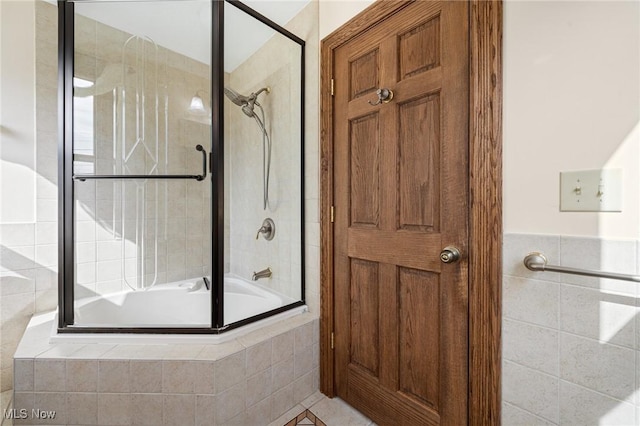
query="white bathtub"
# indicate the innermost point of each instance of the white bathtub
(181, 304)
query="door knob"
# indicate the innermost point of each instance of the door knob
(450, 254)
(384, 96)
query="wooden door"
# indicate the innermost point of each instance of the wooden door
(401, 196)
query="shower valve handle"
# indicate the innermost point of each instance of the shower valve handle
(268, 229)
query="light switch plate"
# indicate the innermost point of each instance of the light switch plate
(591, 191)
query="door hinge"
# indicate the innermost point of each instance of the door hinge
(332, 88)
(333, 341)
(333, 214)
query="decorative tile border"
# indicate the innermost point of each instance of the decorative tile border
(305, 418)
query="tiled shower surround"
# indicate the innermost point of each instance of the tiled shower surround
(278, 60)
(571, 344)
(252, 380)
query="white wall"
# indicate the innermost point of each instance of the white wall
(19, 210)
(17, 135)
(334, 13)
(571, 102)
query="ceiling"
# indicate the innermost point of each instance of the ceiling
(184, 26)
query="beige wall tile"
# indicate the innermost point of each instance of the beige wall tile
(532, 346)
(259, 413)
(283, 346)
(512, 415)
(49, 402)
(303, 361)
(114, 409)
(532, 301)
(282, 373)
(82, 408)
(24, 375)
(179, 410)
(146, 409)
(580, 406)
(146, 376)
(205, 410)
(282, 401)
(598, 366)
(598, 315)
(50, 375)
(231, 402)
(258, 387)
(82, 375)
(531, 390)
(113, 376)
(230, 371)
(205, 377)
(178, 376)
(303, 387)
(259, 357)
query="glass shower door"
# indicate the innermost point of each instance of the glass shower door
(264, 174)
(141, 137)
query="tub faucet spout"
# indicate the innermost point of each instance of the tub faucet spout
(265, 273)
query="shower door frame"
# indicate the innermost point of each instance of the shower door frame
(66, 199)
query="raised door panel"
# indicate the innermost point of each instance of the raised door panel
(364, 171)
(363, 74)
(419, 48)
(365, 284)
(419, 336)
(418, 168)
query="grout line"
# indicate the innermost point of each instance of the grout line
(602, 342)
(598, 392)
(532, 414)
(533, 369)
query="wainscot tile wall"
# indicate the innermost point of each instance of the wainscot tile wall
(251, 380)
(571, 344)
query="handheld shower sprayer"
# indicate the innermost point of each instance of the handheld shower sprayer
(248, 104)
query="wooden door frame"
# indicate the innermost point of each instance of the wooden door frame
(485, 200)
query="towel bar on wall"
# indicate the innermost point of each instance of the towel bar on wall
(538, 262)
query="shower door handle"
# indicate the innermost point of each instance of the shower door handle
(204, 162)
(83, 177)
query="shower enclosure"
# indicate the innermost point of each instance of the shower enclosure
(181, 166)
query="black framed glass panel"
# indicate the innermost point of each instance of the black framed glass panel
(263, 111)
(181, 166)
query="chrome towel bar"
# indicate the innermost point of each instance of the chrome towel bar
(538, 262)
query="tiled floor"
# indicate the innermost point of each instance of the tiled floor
(325, 411)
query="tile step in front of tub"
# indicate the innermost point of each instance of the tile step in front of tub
(254, 379)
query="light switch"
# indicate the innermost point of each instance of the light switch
(591, 191)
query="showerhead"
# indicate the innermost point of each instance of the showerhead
(246, 102)
(235, 97)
